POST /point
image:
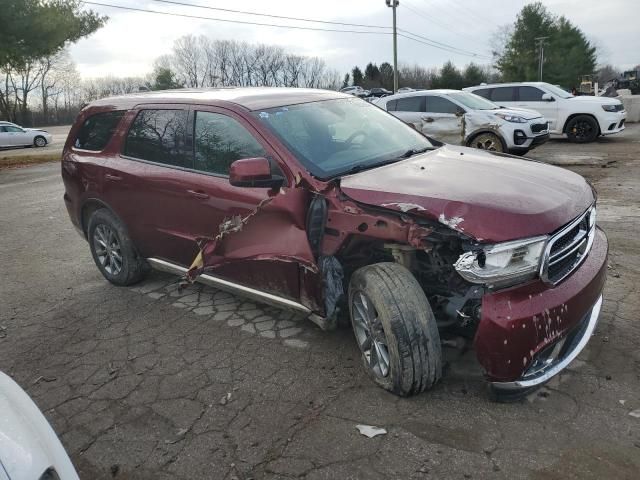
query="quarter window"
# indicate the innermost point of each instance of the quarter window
(158, 136)
(503, 94)
(410, 104)
(221, 140)
(530, 94)
(97, 130)
(441, 105)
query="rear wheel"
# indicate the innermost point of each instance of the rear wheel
(113, 251)
(39, 141)
(582, 129)
(487, 141)
(395, 329)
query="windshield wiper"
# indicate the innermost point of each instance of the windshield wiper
(414, 151)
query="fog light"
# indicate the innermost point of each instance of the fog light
(519, 137)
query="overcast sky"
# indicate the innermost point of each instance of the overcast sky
(130, 41)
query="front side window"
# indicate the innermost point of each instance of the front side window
(10, 128)
(472, 101)
(441, 105)
(336, 137)
(410, 104)
(219, 141)
(97, 130)
(502, 94)
(158, 136)
(530, 94)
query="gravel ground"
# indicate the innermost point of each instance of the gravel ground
(150, 383)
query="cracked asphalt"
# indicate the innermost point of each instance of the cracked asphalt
(152, 383)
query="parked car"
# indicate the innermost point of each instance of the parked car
(379, 92)
(462, 118)
(12, 135)
(405, 90)
(356, 91)
(29, 448)
(581, 118)
(322, 203)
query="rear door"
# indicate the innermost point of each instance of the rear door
(504, 96)
(443, 120)
(409, 109)
(531, 98)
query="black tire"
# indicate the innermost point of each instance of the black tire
(582, 129)
(132, 267)
(488, 141)
(409, 327)
(519, 153)
(39, 141)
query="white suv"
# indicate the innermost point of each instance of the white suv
(462, 118)
(581, 118)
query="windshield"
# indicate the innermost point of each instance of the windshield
(557, 91)
(473, 101)
(335, 137)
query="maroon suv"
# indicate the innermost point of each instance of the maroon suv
(320, 202)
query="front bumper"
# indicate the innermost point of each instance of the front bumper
(528, 334)
(531, 143)
(612, 122)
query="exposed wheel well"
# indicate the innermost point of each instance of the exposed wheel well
(87, 210)
(574, 115)
(488, 130)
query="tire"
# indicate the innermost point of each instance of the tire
(582, 129)
(487, 141)
(113, 251)
(519, 153)
(402, 318)
(39, 141)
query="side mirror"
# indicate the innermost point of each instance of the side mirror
(546, 97)
(460, 112)
(255, 173)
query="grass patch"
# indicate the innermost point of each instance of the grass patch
(7, 161)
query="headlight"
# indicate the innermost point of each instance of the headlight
(502, 264)
(610, 108)
(512, 118)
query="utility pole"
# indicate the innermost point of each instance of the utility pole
(540, 41)
(394, 4)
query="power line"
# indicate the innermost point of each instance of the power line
(244, 12)
(444, 46)
(425, 40)
(244, 22)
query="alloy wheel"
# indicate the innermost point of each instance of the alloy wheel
(582, 130)
(370, 335)
(40, 142)
(107, 248)
(488, 142)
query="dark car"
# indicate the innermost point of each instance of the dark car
(320, 202)
(379, 92)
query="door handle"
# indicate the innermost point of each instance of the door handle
(427, 119)
(113, 178)
(198, 194)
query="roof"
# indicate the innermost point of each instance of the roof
(507, 84)
(251, 98)
(413, 93)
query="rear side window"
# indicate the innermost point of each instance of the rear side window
(158, 136)
(221, 140)
(97, 130)
(503, 94)
(441, 105)
(483, 92)
(410, 104)
(530, 94)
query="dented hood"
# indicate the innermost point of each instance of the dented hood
(492, 198)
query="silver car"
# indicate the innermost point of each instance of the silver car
(12, 135)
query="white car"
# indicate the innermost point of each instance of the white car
(581, 118)
(12, 135)
(453, 116)
(29, 448)
(356, 90)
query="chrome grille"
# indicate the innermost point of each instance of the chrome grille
(567, 248)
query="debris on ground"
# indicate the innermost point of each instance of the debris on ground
(370, 431)
(3, 331)
(635, 413)
(42, 378)
(224, 400)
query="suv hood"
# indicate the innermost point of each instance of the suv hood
(595, 100)
(522, 112)
(492, 198)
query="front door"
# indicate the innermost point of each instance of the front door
(443, 120)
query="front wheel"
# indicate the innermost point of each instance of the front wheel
(395, 329)
(582, 129)
(487, 141)
(39, 141)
